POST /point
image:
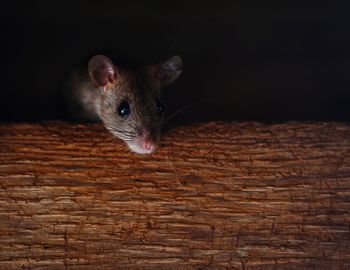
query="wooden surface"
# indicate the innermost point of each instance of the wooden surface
(215, 196)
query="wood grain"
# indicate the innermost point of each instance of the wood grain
(214, 196)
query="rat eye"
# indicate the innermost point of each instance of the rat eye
(159, 107)
(124, 109)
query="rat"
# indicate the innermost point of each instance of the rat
(127, 99)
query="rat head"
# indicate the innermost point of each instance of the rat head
(131, 99)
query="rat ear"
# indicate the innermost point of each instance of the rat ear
(169, 71)
(101, 70)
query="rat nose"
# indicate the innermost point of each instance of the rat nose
(149, 144)
(147, 141)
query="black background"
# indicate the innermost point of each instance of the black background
(244, 60)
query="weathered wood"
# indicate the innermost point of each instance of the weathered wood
(214, 196)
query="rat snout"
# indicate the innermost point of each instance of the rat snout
(147, 141)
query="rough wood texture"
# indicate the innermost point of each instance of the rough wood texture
(215, 196)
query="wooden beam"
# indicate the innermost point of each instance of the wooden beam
(214, 196)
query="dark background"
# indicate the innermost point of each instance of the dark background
(244, 60)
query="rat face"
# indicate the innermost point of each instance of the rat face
(131, 99)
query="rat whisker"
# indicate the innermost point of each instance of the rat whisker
(116, 129)
(114, 137)
(122, 134)
(124, 139)
(133, 127)
(181, 110)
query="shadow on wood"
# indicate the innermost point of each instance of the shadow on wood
(214, 196)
